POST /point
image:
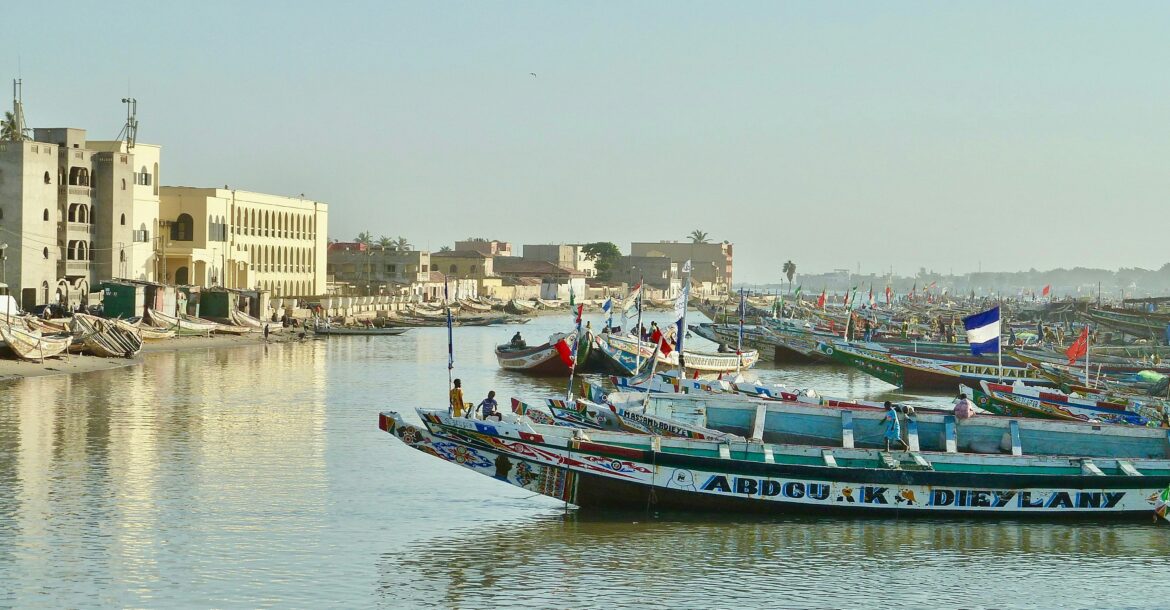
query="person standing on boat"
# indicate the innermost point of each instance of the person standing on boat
(488, 408)
(518, 341)
(893, 426)
(456, 395)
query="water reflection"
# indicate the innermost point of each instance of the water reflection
(572, 560)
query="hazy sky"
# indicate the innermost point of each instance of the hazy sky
(945, 135)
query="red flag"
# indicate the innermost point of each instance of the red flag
(656, 338)
(1079, 348)
(1047, 289)
(821, 300)
(580, 309)
(889, 295)
(565, 351)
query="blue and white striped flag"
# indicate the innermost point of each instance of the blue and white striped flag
(607, 305)
(983, 331)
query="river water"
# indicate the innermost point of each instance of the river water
(257, 477)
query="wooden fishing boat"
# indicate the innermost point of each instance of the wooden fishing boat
(923, 372)
(542, 360)
(182, 324)
(144, 331)
(104, 338)
(1139, 324)
(28, 346)
(600, 470)
(469, 305)
(516, 307)
(240, 318)
(631, 350)
(1030, 401)
(358, 331)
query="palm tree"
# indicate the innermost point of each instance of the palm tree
(365, 237)
(402, 243)
(445, 249)
(8, 129)
(789, 270)
(385, 242)
(698, 237)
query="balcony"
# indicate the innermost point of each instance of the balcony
(73, 268)
(78, 231)
(83, 191)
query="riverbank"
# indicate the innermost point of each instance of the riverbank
(12, 369)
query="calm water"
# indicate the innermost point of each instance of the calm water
(257, 477)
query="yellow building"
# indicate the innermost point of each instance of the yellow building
(244, 240)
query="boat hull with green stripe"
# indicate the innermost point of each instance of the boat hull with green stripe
(598, 471)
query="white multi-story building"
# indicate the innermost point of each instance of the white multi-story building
(243, 240)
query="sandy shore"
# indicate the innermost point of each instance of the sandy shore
(12, 369)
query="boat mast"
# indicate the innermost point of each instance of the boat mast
(739, 339)
(638, 326)
(682, 322)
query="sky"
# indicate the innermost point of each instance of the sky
(952, 136)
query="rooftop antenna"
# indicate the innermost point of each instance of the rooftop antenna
(129, 131)
(19, 130)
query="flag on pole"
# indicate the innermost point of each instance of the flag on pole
(889, 295)
(450, 334)
(796, 295)
(1047, 290)
(983, 331)
(872, 303)
(632, 298)
(607, 309)
(821, 300)
(686, 268)
(680, 310)
(1079, 348)
(566, 352)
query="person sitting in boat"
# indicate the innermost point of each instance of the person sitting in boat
(518, 341)
(488, 407)
(964, 408)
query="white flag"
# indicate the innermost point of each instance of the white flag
(687, 266)
(680, 304)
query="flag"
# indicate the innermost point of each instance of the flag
(566, 351)
(680, 310)
(656, 339)
(983, 331)
(1161, 503)
(607, 306)
(872, 303)
(687, 266)
(913, 291)
(821, 300)
(580, 310)
(889, 295)
(1079, 348)
(632, 298)
(796, 295)
(851, 299)
(1047, 290)
(450, 333)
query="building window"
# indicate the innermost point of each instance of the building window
(471, 269)
(48, 180)
(46, 252)
(123, 220)
(123, 184)
(46, 217)
(183, 228)
(391, 268)
(453, 269)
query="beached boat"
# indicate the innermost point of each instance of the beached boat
(516, 307)
(599, 470)
(28, 346)
(183, 324)
(630, 351)
(104, 338)
(240, 318)
(145, 331)
(469, 305)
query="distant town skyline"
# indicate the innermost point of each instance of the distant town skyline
(946, 136)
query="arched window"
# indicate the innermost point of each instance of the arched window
(46, 253)
(156, 179)
(122, 256)
(472, 269)
(48, 180)
(183, 229)
(123, 220)
(181, 276)
(46, 217)
(453, 268)
(123, 184)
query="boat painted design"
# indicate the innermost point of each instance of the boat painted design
(1031, 401)
(597, 470)
(543, 359)
(357, 331)
(925, 373)
(630, 350)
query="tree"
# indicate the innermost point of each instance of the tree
(8, 129)
(698, 237)
(605, 256)
(789, 269)
(365, 237)
(445, 249)
(402, 243)
(385, 242)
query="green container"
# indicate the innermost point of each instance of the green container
(215, 303)
(121, 300)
